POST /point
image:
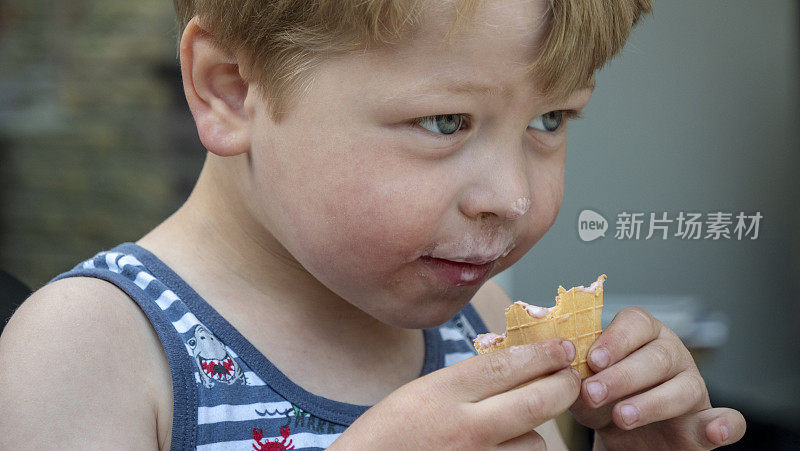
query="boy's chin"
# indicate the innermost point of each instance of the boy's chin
(420, 317)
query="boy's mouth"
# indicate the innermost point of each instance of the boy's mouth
(476, 251)
(469, 260)
(458, 273)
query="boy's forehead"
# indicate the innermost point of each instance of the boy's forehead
(488, 55)
(500, 23)
(512, 15)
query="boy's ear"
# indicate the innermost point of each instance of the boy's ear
(215, 91)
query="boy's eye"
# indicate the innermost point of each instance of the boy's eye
(442, 124)
(547, 122)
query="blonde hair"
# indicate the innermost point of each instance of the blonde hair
(281, 41)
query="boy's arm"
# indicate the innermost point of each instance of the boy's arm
(490, 302)
(77, 371)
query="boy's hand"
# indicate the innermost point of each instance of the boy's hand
(473, 404)
(666, 403)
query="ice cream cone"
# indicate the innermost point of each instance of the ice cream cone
(577, 316)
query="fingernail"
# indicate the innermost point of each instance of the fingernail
(576, 372)
(569, 348)
(724, 431)
(629, 414)
(600, 357)
(597, 391)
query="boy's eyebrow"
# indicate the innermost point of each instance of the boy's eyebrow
(457, 86)
(462, 86)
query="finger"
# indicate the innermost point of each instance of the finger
(711, 428)
(729, 427)
(516, 412)
(485, 375)
(656, 362)
(531, 441)
(682, 394)
(631, 328)
(593, 418)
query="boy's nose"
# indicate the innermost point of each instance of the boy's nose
(515, 211)
(503, 190)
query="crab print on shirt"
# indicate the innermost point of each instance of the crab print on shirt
(262, 444)
(212, 359)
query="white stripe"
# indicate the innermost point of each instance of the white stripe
(251, 378)
(143, 279)
(89, 264)
(111, 261)
(166, 299)
(230, 351)
(468, 330)
(450, 334)
(242, 412)
(225, 446)
(186, 322)
(299, 441)
(455, 357)
(129, 260)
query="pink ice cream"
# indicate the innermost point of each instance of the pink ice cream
(485, 341)
(534, 310)
(488, 340)
(597, 283)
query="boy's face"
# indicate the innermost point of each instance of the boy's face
(356, 192)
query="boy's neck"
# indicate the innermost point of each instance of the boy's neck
(215, 244)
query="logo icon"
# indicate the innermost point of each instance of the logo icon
(591, 225)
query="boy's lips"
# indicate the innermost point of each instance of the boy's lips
(470, 260)
(457, 273)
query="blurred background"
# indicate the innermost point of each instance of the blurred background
(698, 114)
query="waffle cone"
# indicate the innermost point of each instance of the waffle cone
(577, 316)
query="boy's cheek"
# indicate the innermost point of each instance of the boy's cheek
(369, 227)
(385, 225)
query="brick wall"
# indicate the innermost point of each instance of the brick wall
(96, 142)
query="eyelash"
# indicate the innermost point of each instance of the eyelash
(566, 116)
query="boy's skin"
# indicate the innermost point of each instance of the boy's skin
(306, 236)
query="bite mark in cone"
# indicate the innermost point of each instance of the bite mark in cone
(577, 316)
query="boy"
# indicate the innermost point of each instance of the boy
(371, 165)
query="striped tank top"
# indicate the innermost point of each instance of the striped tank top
(226, 394)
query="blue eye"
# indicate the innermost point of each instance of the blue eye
(548, 122)
(441, 124)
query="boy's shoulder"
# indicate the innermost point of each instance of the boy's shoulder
(81, 360)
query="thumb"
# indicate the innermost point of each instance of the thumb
(714, 427)
(593, 418)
